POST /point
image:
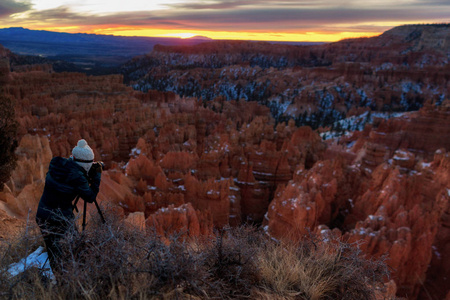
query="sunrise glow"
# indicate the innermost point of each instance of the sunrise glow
(243, 35)
(215, 35)
(264, 20)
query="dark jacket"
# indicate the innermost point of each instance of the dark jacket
(64, 181)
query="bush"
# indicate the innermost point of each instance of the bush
(231, 261)
(12, 251)
(319, 270)
(118, 262)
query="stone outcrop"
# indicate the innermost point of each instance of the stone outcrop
(438, 279)
(422, 132)
(181, 221)
(10, 227)
(25, 188)
(400, 214)
(312, 198)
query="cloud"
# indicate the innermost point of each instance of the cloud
(9, 7)
(234, 4)
(433, 2)
(253, 15)
(59, 13)
(213, 4)
(64, 16)
(266, 19)
(297, 4)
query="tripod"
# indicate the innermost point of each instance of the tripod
(84, 210)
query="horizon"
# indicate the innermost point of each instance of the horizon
(163, 37)
(259, 20)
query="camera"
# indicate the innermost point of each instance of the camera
(97, 167)
(99, 163)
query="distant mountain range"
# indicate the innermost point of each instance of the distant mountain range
(85, 49)
(81, 47)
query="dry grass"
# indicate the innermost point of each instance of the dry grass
(114, 261)
(317, 270)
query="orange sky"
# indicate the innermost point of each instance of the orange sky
(312, 36)
(282, 20)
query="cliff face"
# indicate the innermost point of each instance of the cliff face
(435, 37)
(422, 132)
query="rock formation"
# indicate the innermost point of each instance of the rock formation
(394, 197)
(182, 221)
(187, 165)
(25, 188)
(315, 85)
(10, 226)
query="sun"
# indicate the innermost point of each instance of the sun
(183, 35)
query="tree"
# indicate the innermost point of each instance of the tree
(8, 128)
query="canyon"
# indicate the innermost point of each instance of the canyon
(226, 133)
(313, 85)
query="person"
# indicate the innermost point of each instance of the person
(66, 179)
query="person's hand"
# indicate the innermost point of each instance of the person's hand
(97, 167)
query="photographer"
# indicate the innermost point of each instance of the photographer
(66, 179)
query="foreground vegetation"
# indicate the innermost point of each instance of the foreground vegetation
(117, 261)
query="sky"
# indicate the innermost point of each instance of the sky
(282, 20)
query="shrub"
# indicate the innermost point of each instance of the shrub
(13, 250)
(319, 270)
(230, 259)
(118, 262)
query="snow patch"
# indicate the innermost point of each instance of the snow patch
(436, 252)
(38, 259)
(213, 192)
(354, 123)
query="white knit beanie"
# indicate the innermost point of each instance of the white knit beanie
(83, 155)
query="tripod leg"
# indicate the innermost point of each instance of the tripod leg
(84, 215)
(74, 207)
(99, 211)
